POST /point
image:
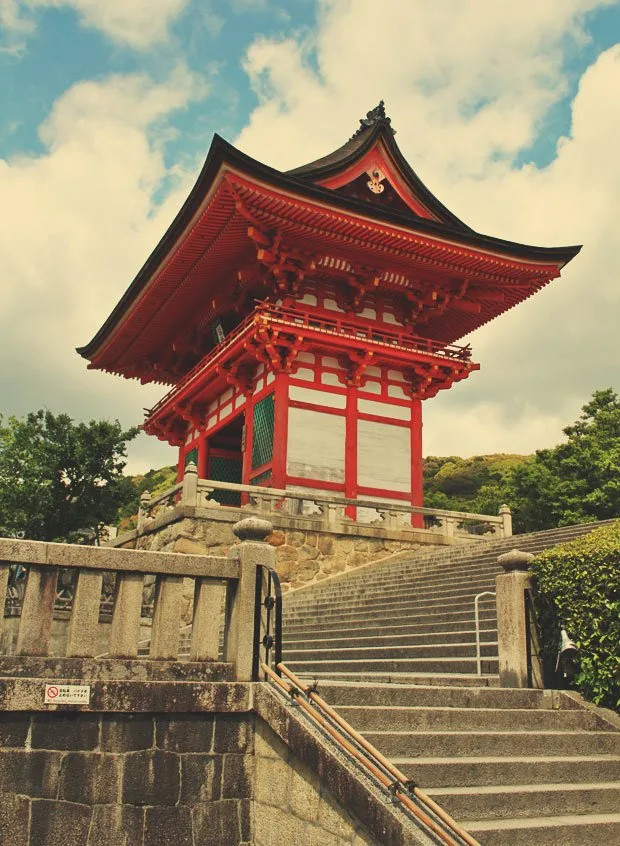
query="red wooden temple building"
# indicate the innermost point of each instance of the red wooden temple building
(300, 318)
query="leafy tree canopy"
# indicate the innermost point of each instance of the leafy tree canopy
(59, 478)
(577, 481)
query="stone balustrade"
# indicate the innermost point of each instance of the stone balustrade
(219, 582)
(332, 510)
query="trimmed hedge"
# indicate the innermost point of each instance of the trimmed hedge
(581, 580)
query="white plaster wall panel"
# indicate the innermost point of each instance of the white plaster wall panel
(212, 406)
(270, 378)
(331, 379)
(226, 396)
(306, 356)
(371, 387)
(315, 445)
(325, 398)
(226, 410)
(212, 421)
(384, 456)
(397, 392)
(384, 409)
(369, 312)
(259, 385)
(332, 305)
(260, 369)
(308, 299)
(329, 361)
(305, 374)
(396, 376)
(373, 371)
(239, 401)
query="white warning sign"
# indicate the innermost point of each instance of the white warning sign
(67, 694)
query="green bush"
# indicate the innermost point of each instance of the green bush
(581, 580)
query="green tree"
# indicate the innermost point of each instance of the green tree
(58, 477)
(577, 481)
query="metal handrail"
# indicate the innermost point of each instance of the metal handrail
(477, 622)
(372, 760)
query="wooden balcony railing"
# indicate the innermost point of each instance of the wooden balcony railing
(338, 329)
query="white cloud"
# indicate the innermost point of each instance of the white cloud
(83, 216)
(138, 23)
(468, 84)
(82, 221)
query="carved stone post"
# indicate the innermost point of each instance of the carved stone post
(239, 624)
(512, 623)
(143, 510)
(190, 485)
(506, 514)
(449, 526)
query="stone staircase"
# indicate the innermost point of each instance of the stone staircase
(393, 648)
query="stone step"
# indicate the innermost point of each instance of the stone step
(406, 625)
(473, 743)
(389, 695)
(425, 637)
(357, 653)
(389, 667)
(526, 769)
(533, 800)
(481, 551)
(412, 592)
(391, 581)
(569, 830)
(407, 572)
(393, 609)
(389, 680)
(422, 718)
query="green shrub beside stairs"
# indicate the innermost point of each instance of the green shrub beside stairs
(580, 584)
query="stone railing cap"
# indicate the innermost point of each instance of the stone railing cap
(252, 529)
(516, 559)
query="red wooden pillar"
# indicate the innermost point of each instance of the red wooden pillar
(203, 456)
(350, 450)
(181, 464)
(417, 494)
(280, 431)
(247, 442)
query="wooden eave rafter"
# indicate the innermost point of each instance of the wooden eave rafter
(208, 240)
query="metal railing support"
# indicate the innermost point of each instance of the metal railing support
(477, 621)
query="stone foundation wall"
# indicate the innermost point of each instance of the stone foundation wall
(303, 555)
(125, 780)
(291, 806)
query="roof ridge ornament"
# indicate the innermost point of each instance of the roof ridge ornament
(374, 116)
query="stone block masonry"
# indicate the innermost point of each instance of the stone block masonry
(304, 555)
(291, 804)
(87, 779)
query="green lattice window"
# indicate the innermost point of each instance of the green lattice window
(262, 479)
(262, 440)
(191, 456)
(225, 470)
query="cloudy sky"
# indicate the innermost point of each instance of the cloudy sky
(510, 112)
